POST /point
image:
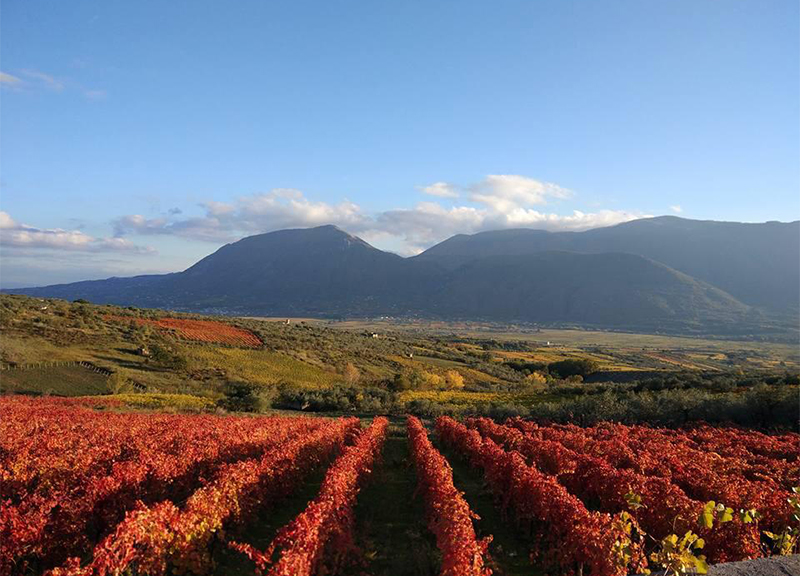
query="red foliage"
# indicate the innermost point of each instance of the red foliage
(72, 477)
(665, 508)
(68, 474)
(198, 330)
(575, 537)
(325, 527)
(449, 515)
(702, 474)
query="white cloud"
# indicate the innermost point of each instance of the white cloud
(43, 79)
(9, 79)
(287, 207)
(34, 80)
(497, 202)
(676, 208)
(428, 222)
(16, 235)
(440, 189)
(506, 192)
(274, 210)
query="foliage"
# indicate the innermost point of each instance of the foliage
(324, 530)
(351, 374)
(243, 397)
(167, 357)
(787, 541)
(572, 367)
(678, 555)
(260, 367)
(151, 538)
(453, 380)
(76, 471)
(573, 535)
(449, 515)
(165, 402)
(197, 330)
(762, 406)
(338, 399)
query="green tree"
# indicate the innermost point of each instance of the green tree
(573, 367)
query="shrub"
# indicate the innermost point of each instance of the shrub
(243, 397)
(167, 357)
(337, 399)
(118, 383)
(573, 367)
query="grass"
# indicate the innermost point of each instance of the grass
(262, 530)
(23, 349)
(508, 551)
(261, 366)
(390, 517)
(70, 380)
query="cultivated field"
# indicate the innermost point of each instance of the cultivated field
(90, 489)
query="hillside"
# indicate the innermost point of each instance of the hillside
(600, 289)
(758, 264)
(591, 278)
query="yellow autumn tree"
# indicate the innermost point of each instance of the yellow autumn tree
(431, 381)
(536, 378)
(351, 374)
(453, 380)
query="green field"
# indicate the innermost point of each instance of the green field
(70, 380)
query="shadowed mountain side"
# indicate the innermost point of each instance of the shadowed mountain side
(326, 272)
(601, 289)
(759, 264)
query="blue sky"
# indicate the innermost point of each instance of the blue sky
(140, 136)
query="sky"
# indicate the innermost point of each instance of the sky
(138, 137)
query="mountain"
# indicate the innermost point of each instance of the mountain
(611, 289)
(758, 264)
(516, 275)
(319, 271)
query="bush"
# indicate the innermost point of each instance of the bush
(763, 406)
(168, 358)
(573, 367)
(119, 384)
(244, 397)
(338, 399)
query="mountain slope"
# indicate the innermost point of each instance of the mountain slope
(602, 289)
(319, 270)
(757, 263)
(326, 272)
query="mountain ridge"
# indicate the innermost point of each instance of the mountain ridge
(759, 263)
(324, 271)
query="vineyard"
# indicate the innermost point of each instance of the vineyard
(88, 489)
(209, 331)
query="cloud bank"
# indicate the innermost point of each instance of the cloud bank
(495, 202)
(15, 235)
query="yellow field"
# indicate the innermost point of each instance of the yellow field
(261, 366)
(438, 366)
(164, 402)
(606, 363)
(470, 398)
